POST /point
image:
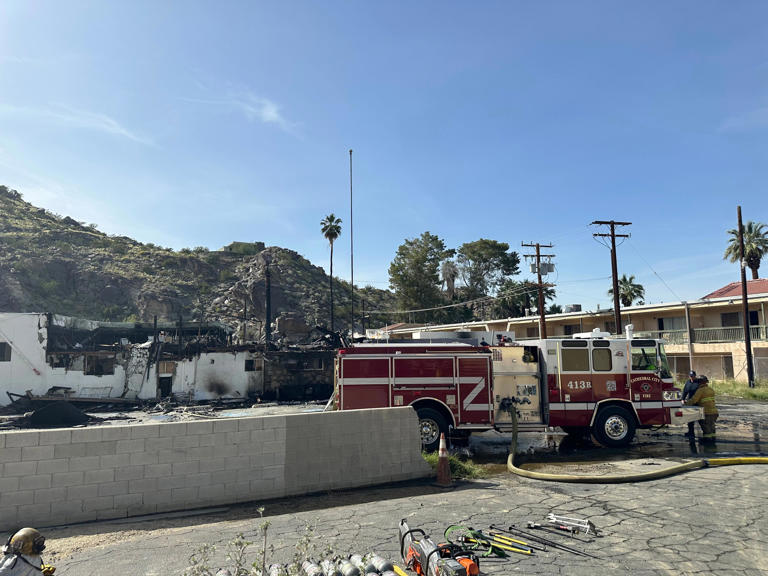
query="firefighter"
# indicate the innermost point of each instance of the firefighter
(21, 555)
(688, 391)
(705, 397)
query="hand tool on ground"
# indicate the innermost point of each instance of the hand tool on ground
(512, 541)
(423, 556)
(554, 528)
(477, 540)
(399, 571)
(537, 538)
(580, 524)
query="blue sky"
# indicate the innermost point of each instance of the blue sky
(198, 123)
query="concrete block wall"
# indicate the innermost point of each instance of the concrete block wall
(61, 476)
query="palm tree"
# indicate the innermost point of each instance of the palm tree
(629, 291)
(755, 246)
(331, 229)
(449, 272)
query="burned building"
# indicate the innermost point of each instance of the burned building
(45, 355)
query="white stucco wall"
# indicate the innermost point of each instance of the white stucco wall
(205, 377)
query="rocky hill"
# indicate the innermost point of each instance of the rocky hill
(52, 263)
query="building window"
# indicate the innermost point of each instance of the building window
(673, 323)
(250, 365)
(602, 360)
(734, 319)
(5, 352)
(532, 332)
(99, 365)
(570, 329)
(730, 319)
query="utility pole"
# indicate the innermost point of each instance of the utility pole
(745, 305)
(541, 285)
(351, 251)
(614, 271)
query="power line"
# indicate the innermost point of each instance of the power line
(654, 271)
(518, 291)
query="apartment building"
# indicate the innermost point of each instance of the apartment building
(706, 335)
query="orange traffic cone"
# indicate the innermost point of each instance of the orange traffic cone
(443, 466)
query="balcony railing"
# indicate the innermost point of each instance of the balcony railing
(706, 335)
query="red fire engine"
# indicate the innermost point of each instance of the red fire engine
(588, 383)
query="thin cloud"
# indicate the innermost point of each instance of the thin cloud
(20, 59)
(255, 109)
(83, 119)
(753, 120)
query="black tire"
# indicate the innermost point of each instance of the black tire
(614, 427)
(431, 425)
(577, 431)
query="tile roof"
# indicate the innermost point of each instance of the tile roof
(759, 286)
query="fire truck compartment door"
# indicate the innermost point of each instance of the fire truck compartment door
(520, 392)
(419, 373)
(475, 402)
(365, 383)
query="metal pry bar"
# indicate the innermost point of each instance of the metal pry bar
(581, 524)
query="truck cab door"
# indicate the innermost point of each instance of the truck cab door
(575, 379)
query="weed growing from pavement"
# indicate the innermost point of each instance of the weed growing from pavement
(238, 563)
(459, 468)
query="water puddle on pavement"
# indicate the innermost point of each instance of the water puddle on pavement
(740, 432)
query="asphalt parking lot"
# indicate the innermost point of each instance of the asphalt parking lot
(707, 521)
(703, 522)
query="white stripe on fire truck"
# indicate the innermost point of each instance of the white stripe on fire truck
(411, 381)
(363, 381)
(571, 406)
(480, 381)
(648, 405)
(591, 406)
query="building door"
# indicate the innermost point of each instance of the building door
(164, 386)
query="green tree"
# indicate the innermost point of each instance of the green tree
(414, 273)
(555, 309)
(755, 246)
(331, 229)
(515, 297)
(484, 265)
(629, 291)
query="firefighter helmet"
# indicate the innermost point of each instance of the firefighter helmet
(26, 541)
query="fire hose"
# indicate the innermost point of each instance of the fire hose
(620, 478)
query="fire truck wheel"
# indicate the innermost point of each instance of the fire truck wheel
(614, 426)
(431, 424)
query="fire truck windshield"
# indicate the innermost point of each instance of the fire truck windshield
(643, 358)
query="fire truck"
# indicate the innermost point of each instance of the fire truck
(588, 383)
